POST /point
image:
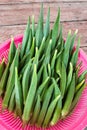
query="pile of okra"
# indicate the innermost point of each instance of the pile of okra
(40, 82)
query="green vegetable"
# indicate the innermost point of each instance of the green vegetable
(25, 39)
(63, 80)
(45, 105)
(2, 67)
(25, 81)
(33, 26)
(57, 113)
(70, 73)
(11, 80)
(12, 51)
(4, 79)
(47, 25)
(12, 102)
(67, 49)
(30, 97)
(77, 96)
(69, 98)
(39, 30)
(18, 94)
(50, 111)
(36, 110)
(55, 30)
(75, 55)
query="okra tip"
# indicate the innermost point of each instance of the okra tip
(76, 31)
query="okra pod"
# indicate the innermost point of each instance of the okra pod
(30, 97)
(55, 30)
(63, 80)
(2, 67)
(4, 79)
(36, 110)
(25, 39)
(69, 77)
(69, 97)
(50, 111)
(77, 96)
(12, 51)
(82, 76)
(79, 85)
(18, 94)
(47, 25)
(45, 105)
(11, 80)
(39, 30)
(25, 81)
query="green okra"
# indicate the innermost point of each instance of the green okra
(49, 70)
(78, 86)
(18, 94)
(12, 51)
(73, 40)
(25, 66)
(36, 110)
(77, 96)
(50, 111)
(63, 79)
(77, 69)
(25, 39)
(58, 64)
(53, 60)
(29, 42)
(47, 25)
(11, 80)
(82, 76)
(48, 52)
(45, 73)
(23, 60)
(42, 86)
(75, 54)
(32, 49)
(30, 97)
(36, 58)
(45, 104)
(25, 81)
(33, 26)
(40, 62)
(69, 97)
(2, 67)
(55, 30)
(60, 38)
(12, 102)
(57, 112)
(39, 30)
(67, 50)
(39, 74)
(56, 88)
(42, 47)
(69, 77)
(4, 79)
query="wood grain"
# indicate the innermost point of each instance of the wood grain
(37, 1)
(7, 31)
(18, 14)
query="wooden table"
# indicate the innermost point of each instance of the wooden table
(14, 15)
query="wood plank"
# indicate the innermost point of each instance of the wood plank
(18, 14)
(84, 49)
(7, 31)
(37, 1)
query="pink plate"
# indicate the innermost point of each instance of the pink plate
(76, 121)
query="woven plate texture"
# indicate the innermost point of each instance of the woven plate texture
(76, 121)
